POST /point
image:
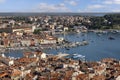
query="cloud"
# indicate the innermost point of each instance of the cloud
(45, 7)
(93, 8)
(107, 2)
(116, 10)
(71, 2)
(2, 1)
(111, 2)
(96, 6)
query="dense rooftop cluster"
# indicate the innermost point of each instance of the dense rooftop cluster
(40, 66)
(42, 23)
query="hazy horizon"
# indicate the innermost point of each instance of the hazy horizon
(52, 13)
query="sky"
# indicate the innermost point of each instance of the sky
(59, 5)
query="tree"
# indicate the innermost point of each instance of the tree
(36, 31)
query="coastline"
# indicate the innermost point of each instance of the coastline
(56, 48)
(56, 67)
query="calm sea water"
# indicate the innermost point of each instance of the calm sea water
(99, 46)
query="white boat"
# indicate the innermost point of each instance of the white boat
(79, 56)
(60, 55)
(78, 31)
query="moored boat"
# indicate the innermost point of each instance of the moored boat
(111, 38)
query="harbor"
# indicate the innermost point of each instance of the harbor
(99, 46)
(60, 47)
(92, 46)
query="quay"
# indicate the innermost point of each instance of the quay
(48, 46)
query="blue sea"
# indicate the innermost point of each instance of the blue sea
(99, 47)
